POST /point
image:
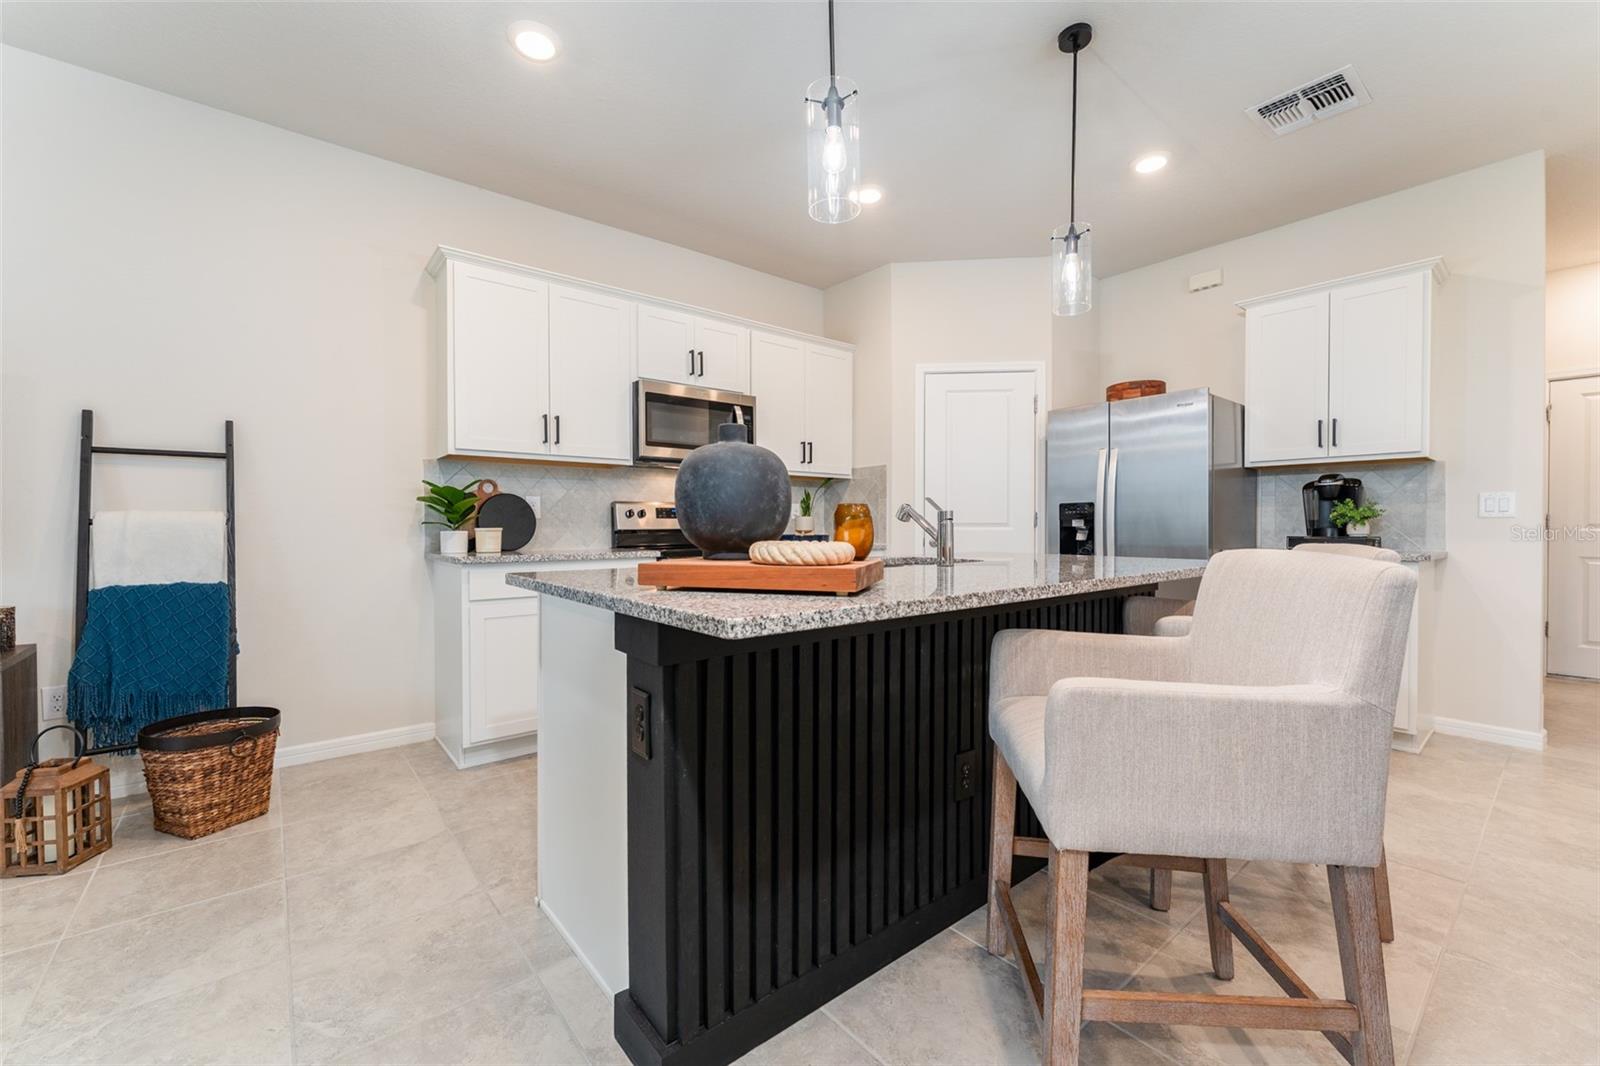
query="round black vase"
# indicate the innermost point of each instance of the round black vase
(731, 494)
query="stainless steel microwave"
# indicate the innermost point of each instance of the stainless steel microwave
(672, 420)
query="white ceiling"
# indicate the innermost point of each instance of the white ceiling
(683, 121)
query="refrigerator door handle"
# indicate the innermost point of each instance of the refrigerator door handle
(1110, 523)
(1100, 504)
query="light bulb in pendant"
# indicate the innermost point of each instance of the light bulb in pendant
(834, 156)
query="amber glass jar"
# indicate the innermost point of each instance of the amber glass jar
(852, 523)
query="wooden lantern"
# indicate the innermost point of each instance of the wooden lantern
(65, 818)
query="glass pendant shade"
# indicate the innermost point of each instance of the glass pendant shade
(833, 150)
(1071, 268)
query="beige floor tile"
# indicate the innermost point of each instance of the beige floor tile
(1481, 1014)
(355, 787)
(469, 799)
(1545, 784)
(36, 910)
(515, 1025)
(1451, 766)
(1531, 942)
(136, 836)
(541, 943)
(428, 758)
(815, 1040)
(241, 1019)
(325, 843)
(1433, 831)
(586, 1008)
(345, 769)
(505, 857)
(352, 988)
(20, 976)
(378, 890)
(177, 878)
(130, 964)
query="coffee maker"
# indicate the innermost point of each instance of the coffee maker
(1320, 495)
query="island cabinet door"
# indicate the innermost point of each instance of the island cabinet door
(503, 653)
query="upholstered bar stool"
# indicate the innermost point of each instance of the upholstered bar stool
(1178, 622)
(1263, 734)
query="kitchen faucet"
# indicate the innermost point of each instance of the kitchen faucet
(943, 538)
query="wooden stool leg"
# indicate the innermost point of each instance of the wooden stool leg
(1215, 880)
(1063, 991)
(1380, 881)
(1355, 919)
(1002, 840)
(1160, 889)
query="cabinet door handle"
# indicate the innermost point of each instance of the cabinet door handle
(1319, 432)
(691, 362)
(546, 428)
(702, 364)
(1335, 432)
(802, 453)
(558, 429)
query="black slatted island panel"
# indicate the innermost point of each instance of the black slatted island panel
(802, 810)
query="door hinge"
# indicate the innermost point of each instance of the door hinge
(1036, 405)
(1547, 631)
(1036, 520)
(1547, 413)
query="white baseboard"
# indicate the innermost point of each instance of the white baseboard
(1526, 739)
(316, 751)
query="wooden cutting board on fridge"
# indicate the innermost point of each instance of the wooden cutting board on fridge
(739, 575)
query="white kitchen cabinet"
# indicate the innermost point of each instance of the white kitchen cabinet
(1413, 709)
(498, 340)
(693, 349)
(804, 401)
(591, 371)
(1340, 369)
(486, 658)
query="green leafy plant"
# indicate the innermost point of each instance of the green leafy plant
(808, 500)
(455, 507)
(1349, 513)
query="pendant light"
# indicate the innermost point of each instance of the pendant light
(1070, 259)
(833, 144)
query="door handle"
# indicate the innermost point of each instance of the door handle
(1100, 503)
(1335, 432)
(1111, 504)
(702, 364)
(1319, 432)
(546, 418)
(558, 429)
(691, 362)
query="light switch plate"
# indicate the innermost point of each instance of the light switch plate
(1497, 505)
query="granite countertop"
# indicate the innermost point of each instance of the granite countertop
(904, 592)
(575, 555)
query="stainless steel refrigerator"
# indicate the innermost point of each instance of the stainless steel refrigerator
(1159, 476)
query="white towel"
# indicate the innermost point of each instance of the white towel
(158, 547)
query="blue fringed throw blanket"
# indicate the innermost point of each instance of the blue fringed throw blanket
(148, 652)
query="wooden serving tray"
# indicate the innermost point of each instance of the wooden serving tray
(740, 575)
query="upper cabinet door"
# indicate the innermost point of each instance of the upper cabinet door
(830, 389)
(1286, 379)
(722, 350)
(1378, 366)
(498, 323)
(778, 382)
(591, 371)
(666, 345)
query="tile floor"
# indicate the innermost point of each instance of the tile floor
(372, 917)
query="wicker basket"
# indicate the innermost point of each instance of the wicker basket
(210, 770)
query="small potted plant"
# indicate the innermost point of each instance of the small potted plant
(455, 508)
(1354, 518)
(806, 524)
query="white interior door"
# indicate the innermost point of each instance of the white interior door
(499, 360)
(1286, 379)
(666, 345)
(591, 372)
(1574, 567)
(778, 382)
(1378, 366)
(979, 455)
(723, 355)
(829, 415)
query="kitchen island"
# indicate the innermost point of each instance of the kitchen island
(750, 802)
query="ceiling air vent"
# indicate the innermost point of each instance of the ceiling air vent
(1327, 96)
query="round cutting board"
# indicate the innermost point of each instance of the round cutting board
(513, 515)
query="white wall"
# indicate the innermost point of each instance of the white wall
(170, 266)
(1488, 364)
(965, 311)
(1572, 319)
(858, 311)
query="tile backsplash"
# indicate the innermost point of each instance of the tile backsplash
(1411, 494)
(574, 502)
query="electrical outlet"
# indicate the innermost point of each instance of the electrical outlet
(964, 785)
(53, 703)
(639, 723)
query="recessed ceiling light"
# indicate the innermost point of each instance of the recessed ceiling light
(1149, 164)
(871, 194)
(533, 40)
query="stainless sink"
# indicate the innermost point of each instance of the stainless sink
(917, 560)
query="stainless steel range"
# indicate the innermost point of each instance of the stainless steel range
(652, 524)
